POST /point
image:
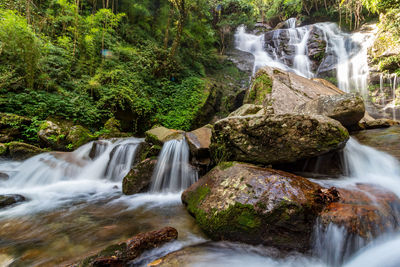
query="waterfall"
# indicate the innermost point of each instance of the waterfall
(173, 172)
(287, 49)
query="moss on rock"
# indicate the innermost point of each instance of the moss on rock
(21, 151)
(79, 135)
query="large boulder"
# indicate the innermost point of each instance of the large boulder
(276, 138)
(365, 211)
(348, 109)
(139, 178)
(22, 151)
(283, 91)
(8, 200)
(246, 203)
(121, 254)
(160, 135)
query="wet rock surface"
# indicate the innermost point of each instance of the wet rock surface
(139, 178)
(276, 138)
(121, 254)
(243, 202)
(348, 109)
(387, 139)
(8, 200)
(365, 211)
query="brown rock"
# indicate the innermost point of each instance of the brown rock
(284, 91)
(199, 141)
(160, 135)
(366, 210)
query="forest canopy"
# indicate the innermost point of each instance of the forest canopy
(90, 60)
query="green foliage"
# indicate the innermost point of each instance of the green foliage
(19, 51)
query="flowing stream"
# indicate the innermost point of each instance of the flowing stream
(75, 207)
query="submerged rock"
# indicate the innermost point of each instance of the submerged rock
(121, 254)
(365, 211)
(283, 91)
(97, 149)
(348, 109)
(8, 200)
(22, 151)
(139, 178)
(246, 203)
(276, 138)
(160, 135)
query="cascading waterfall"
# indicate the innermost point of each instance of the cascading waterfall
(345, 54)
(49, 179)
(173, 172)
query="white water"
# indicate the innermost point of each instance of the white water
(349, 52)
(173, 172)
(51, 180)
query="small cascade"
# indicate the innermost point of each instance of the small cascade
(333, 245)
(121, 160)
(388, 86)
(363, 165)
(51, 179)
(173, 172)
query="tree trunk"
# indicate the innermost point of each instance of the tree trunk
(166, 37)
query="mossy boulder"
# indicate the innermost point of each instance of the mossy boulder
(348, 109)
(159, 135)
(79, 135)
(246, 203)
(12, 126)
(139, 178)
(112, 128)
(22, 151)
(282, 91)
(3, 150)
(52, 135)
(275, 139)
